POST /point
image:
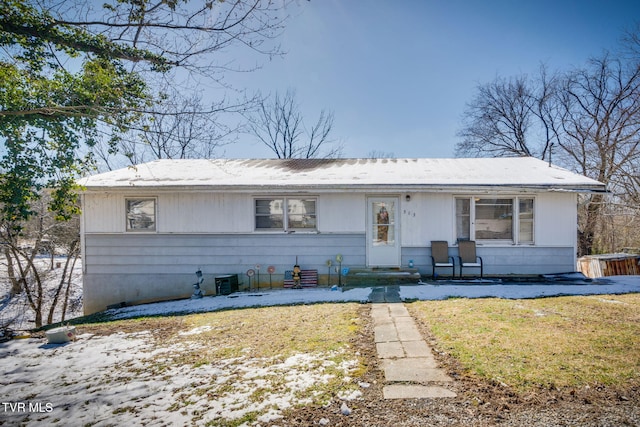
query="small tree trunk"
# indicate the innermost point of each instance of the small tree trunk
(586, 237)
(65, 303)
(54, 302)
(16, 284)
(34, 296)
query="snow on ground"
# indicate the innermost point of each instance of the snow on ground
(15, 311)
(124, 379)
(245, 299)
(425, 291)
(127, 379)
(606, 285)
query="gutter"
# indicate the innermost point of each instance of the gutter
(391, 188)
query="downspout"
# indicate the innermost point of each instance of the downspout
(575, 234)
(82, 236)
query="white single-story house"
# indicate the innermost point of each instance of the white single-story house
(147, 229)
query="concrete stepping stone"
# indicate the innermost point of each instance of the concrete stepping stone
(420, 375)
(412, 391)
(398, 310)
(386, 333)
(390, 350)
(382, 320)
(420, 369)
(416, 349)
(407, 332)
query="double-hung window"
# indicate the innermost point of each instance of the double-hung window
(495, 219)
(285, 214)
(141, 214)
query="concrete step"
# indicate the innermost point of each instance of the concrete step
(381, 276)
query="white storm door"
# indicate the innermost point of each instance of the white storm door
(383, 245)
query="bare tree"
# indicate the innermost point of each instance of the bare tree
(510, 117)
(600, 133)
(189, 45)
(182, 127)
(176, 33)
(498, 120)
(280, 126)
(591, 114)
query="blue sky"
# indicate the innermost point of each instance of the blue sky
(397, 75)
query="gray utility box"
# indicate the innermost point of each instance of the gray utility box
(226, 284)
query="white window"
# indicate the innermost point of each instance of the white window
(525, 219)
(463, 218)
(286, 214)
(495, 219)
(141, 214)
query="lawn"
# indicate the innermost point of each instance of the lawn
(225, 368)
(255, 365)
(547, 342)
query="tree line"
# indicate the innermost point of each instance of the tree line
(586, 119)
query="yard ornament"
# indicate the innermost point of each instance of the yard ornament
(197, 292)
(296, 276)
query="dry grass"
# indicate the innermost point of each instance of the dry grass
(278, 331)
(264, 332)
(549, 342)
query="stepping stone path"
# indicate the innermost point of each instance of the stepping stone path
(410, 370)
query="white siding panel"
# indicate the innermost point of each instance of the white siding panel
(341, 213)
(183, 254)
(103, 213)
(205, 213)
(427, 217)
(556, 219)
(501, 261)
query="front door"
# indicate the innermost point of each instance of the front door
(383, 245)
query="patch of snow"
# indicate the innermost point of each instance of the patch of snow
(349, 395)
(600, 286)
(240, 300)
(611, 301)
(196, 331)
(345, 409)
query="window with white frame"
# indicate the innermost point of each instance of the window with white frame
(496, 219)
(286, 214)
(525, 220)
(141, 214)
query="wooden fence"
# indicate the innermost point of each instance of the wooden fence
(609, 265)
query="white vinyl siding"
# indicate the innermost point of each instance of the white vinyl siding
(426, 217)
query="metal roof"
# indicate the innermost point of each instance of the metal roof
(297, 174)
